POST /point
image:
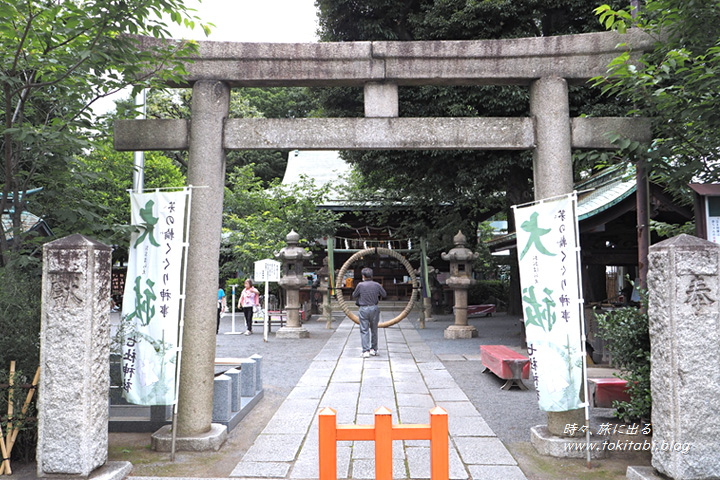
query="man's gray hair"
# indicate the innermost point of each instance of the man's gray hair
(367, 272)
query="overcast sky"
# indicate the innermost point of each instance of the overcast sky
(277, 21)
(255, 20)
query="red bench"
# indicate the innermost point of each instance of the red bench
(506, 364)
(604, 390)
(486, 309)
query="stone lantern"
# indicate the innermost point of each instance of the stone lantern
(460, 280)
(292, 258)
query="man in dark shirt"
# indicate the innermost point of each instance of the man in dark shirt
(368, 293)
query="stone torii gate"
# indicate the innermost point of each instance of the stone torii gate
(547, 65)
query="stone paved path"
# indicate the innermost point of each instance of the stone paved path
(407, 378)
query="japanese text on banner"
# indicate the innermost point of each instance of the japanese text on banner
(551, 299)
(152, 299)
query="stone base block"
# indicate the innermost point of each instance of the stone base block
(558, 421)
(161, 440)
(292, 332)
(643, 473)
(222, 398)
(563, 447)
(109, 471)
(454, 332)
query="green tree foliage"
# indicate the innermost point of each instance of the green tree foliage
(676, 85)
(489, 291)
(272, 102)
(104, 177)
(20, 285)
(627, 332)
(342, 20)
(257, 219)
(57, 59)
(447, 191)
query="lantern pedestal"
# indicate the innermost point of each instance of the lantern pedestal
(292, 332)
(454, 332)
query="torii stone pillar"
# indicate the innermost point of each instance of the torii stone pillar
(293, 257)
(552, 157)
(206, 171)
(460, 259)
(553, 175)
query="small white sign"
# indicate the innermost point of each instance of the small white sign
(267, 271)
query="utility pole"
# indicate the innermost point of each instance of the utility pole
(139, 156)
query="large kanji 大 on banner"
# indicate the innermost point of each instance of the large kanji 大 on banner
(548, 255)
(152, 301)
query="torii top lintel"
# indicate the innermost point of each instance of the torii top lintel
(380, 67)
(575, 58)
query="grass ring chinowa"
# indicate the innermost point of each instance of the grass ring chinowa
(384, 251)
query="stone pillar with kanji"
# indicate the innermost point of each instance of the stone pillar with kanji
(293, 258)
(684, 296)
(460, 280)
(73, 393)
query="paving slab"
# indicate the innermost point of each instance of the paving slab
(448, 394)
(409, 380)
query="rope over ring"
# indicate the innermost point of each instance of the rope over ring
(385, 251)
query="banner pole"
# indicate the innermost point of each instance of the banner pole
(265, 313)
(181, 325)
(232, 330)
(424, 280)
(583, 333)
(331, 277)
(232, 315)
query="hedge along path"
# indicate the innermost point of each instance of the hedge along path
(385, 251)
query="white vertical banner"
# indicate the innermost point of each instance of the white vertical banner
(548, 256)
(153, 299)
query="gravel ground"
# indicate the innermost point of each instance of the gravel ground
(510, 413)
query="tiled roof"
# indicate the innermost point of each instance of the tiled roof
(29, 221)
(325, 166)
(595, 195)
(609, 188)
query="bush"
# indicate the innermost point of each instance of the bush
(627, 332)
(488, 291)
(20, 294)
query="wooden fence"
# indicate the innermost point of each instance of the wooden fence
(383, 433)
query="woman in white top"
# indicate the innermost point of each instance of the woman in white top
(249, 299)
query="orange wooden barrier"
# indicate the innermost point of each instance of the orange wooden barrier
(383, 433)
